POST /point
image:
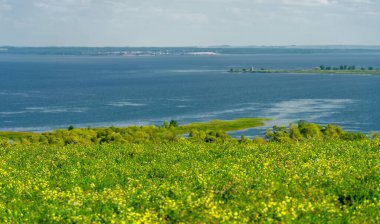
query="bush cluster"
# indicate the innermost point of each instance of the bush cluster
(171, 132)
(303, 131)
(133, 134)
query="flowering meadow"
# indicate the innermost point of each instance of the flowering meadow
(313, 181)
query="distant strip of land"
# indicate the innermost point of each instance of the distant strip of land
(343, 69)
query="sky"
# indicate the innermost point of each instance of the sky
(189, 22)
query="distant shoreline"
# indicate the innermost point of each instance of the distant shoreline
(317, 70)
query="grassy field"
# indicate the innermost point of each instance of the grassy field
(225, 125)
(303, 182)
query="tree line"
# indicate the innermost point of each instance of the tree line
(171, 132)
(342, 67)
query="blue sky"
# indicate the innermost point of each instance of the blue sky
(189, 22)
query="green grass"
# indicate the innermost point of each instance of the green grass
(300, 182)
(226, 125)
(10, 134)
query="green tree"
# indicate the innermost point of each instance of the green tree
(295, 133)
(166, 124)
(269, 134)
(280, 134)
(332, 131)
(173, 123)
(310, 130)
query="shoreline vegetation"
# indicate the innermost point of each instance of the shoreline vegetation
(322, 69)
(211, 131)
(168, 131)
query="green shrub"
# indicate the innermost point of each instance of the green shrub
(310, 131)
(375, 135)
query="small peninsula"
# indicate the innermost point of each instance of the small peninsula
(343, 69)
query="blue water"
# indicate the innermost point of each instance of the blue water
(54, 88)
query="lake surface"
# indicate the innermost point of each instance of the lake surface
(45, 89)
